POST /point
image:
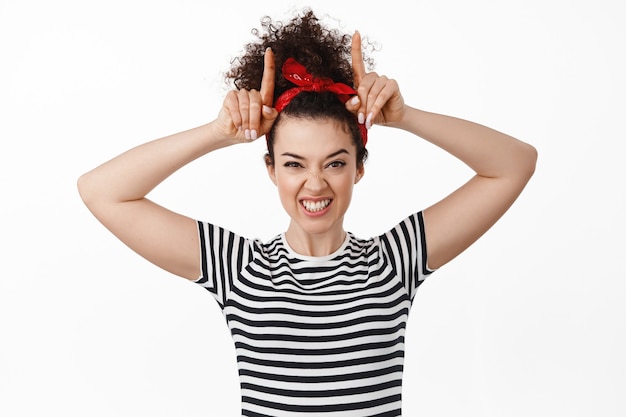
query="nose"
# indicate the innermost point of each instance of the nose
(315, 181)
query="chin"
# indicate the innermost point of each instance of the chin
(319, 226)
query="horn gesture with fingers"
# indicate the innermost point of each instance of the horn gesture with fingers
(379, 99)
(248, 114)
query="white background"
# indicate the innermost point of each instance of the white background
(529, 321)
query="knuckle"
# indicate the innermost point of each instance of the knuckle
(255, 95)
(231, 97)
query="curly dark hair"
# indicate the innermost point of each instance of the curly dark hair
(324, 52)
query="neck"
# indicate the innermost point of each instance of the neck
(314, 244)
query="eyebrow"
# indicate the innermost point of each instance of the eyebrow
(332, 155)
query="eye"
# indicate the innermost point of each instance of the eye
(336, 164)
(292, 164)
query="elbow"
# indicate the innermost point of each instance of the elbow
(81, 186)
(522, 166)
(85, 189)
(530, 160)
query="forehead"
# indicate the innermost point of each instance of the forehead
(312, 135)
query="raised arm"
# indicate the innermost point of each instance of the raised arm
(115, 192)
(503, 164)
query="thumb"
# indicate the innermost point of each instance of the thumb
(353, 104)
(269, 113)
(269, 117)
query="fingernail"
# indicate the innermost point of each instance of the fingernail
(267, 109)
(368, 122)
(355, 100)
(247, 134)
(253, 134)
(361, 118)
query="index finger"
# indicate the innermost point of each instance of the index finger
(268, 80)
(358, 66)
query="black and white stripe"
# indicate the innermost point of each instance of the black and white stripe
(317, 336)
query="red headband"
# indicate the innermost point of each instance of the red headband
(297, 74)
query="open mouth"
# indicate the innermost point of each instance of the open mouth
(315, 206)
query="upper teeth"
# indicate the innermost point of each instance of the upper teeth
(315, 205)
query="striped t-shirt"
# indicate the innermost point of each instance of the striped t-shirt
(317, 336)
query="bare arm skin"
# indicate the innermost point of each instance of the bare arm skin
(115, 192)
(503, 164)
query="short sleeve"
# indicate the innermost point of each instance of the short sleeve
(405, 247)
(223, 255)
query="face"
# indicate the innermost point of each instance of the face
(315, 169)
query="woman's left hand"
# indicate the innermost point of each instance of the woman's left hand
(379, 98)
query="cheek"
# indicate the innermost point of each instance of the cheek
(343, 185)
(287, 185)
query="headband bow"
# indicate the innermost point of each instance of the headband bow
(297, 74)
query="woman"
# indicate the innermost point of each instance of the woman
(317, 315)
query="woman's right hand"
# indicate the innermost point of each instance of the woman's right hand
(115, 192)
(248, 114)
